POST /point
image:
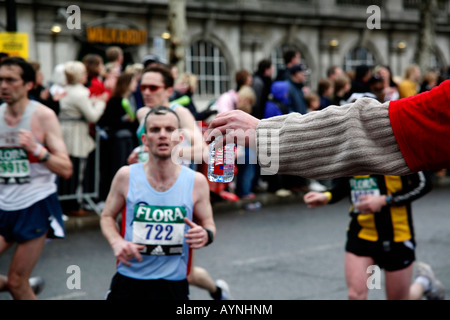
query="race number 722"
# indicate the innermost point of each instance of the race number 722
(159, 232)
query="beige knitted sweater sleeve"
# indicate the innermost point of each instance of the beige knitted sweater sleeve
(338, 141)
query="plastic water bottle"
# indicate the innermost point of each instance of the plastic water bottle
(221, 163)
(128, 109)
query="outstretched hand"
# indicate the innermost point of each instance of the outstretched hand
(27, 140)
(236, 126)
(370, 203)
(315, 199)
(196, 236)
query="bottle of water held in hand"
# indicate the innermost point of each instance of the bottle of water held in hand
(221, 163)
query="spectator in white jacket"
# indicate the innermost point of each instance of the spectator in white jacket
(77, 112)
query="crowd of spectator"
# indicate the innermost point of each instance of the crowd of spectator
(96, 100)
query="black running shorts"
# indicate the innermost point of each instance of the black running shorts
(125, 288)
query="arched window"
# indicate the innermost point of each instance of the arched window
(358, 57)
(207, 62)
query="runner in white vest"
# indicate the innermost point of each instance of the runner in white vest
(32, 153)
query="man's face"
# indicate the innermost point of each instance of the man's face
(153, 90)
(159, 138)
(299, 77)
(378, 90)
(12, 87)
(337, 73)
(417, 74)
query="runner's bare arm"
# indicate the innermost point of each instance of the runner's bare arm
(115, 202)
(203, 215)
(51, 137)
(193, 134)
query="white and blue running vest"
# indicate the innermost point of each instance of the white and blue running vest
(156, 219)
(23, 180)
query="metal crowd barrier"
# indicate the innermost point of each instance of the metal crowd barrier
(81, 196)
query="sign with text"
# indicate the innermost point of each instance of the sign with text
(100, 34)
(14, 43)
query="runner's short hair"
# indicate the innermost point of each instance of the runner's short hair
(160, 110)
(28, 73)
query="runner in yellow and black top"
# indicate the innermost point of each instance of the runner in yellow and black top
(392, 222)
(381, 230)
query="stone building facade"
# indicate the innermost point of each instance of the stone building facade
(225, 36)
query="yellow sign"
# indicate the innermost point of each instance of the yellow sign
(116, 36)
(14, 43)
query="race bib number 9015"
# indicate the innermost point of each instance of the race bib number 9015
(160, 228)
(14, 166)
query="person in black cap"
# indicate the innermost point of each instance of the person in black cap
(363, 74)
(297, 81)
(151, 58)
(291, 57)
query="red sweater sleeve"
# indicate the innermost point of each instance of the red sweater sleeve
(97, 87)
(421, 125)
